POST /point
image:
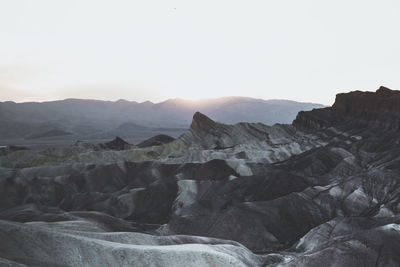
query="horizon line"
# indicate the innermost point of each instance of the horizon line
(162, 101)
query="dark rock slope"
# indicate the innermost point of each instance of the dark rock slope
(336, 204)
(156, 141)
(116, 144)
(374, 109)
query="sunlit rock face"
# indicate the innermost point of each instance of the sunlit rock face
(84, 243)
(322, 191)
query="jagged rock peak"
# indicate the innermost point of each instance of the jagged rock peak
(201, 121)
(118, 141)
(117, 144)
(386, 91)
(201, 118)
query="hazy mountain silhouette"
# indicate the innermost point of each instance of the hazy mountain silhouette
(95, 119)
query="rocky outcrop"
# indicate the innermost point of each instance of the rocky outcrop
(204, 141)
(116, 144)
(207, 139)
(213, 135)
(317, 119)
(369, 104)
(380, 109)
(157, 140)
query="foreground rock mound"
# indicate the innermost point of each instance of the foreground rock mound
(78, 243)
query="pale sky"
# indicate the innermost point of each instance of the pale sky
(153, 50)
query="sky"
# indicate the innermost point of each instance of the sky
(154, 50)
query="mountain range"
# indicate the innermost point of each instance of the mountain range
(74, 119)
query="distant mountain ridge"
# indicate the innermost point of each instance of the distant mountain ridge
(95, 119)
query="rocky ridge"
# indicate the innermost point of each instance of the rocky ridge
(156, 141)
(204, 141)
(373, 109)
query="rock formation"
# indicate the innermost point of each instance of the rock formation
(156, 141)
(323, 191)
